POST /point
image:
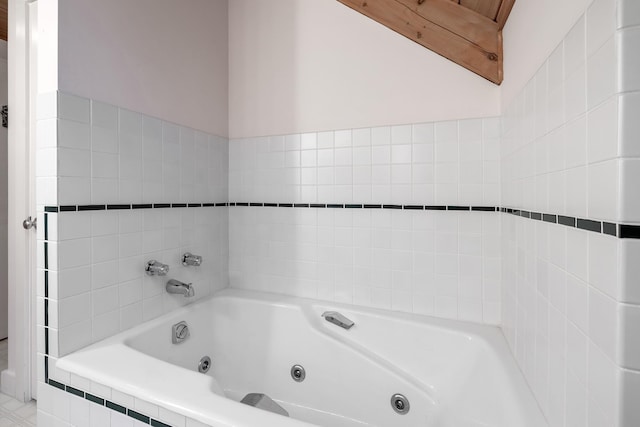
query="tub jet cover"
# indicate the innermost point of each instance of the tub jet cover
(264, 402)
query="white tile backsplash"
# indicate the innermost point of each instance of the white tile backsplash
(97, 258)
(372, 257)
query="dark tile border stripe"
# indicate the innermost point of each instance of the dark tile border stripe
(623, 231)
(103, 402)
(589, 225)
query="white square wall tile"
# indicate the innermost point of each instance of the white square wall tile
(629, 271)
(629, 391)
(601, 24)
(629, 345)
(603, 322)
(602, 134)
(629, 200)
(74, 134)
(628, 13)
(603, 190)
(104, 115)
(602, 71)
(71, 107)
(629, 125)
(628, 45)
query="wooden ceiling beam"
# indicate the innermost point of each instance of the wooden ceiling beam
(503, 13)
(445, 27)
(488, 8)
(4, 15)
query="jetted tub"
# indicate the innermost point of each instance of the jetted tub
(454, 374)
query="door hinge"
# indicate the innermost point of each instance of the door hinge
(5, 116)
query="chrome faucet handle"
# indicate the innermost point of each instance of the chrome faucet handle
(155, 268)
(191, 259)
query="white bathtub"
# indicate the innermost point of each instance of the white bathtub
(453, 373)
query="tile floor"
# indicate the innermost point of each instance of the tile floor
(13, 412)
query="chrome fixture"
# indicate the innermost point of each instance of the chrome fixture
(400, 404)
(298, 373)
(205, 364)
(264, 402)
(338, 319)
(30, 223)
(155, 268)
(191, 259)
(179, 288)
(180, 332)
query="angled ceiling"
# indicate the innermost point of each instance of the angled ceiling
(467, 32)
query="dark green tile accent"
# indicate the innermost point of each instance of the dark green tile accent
(138, 416)
(94, 399)
(610, 229)
(569, 221)
(629, 231)
(56, 384)
(116, 407)
(75, 391)
(91, 208)
(156, 423)
(589, 225)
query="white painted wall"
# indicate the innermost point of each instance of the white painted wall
(305, 66)
(532, 32)
(165, 58)
(3, 196)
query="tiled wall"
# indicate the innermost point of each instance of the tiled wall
(443, 263)
(568, 294)
(116, 189)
